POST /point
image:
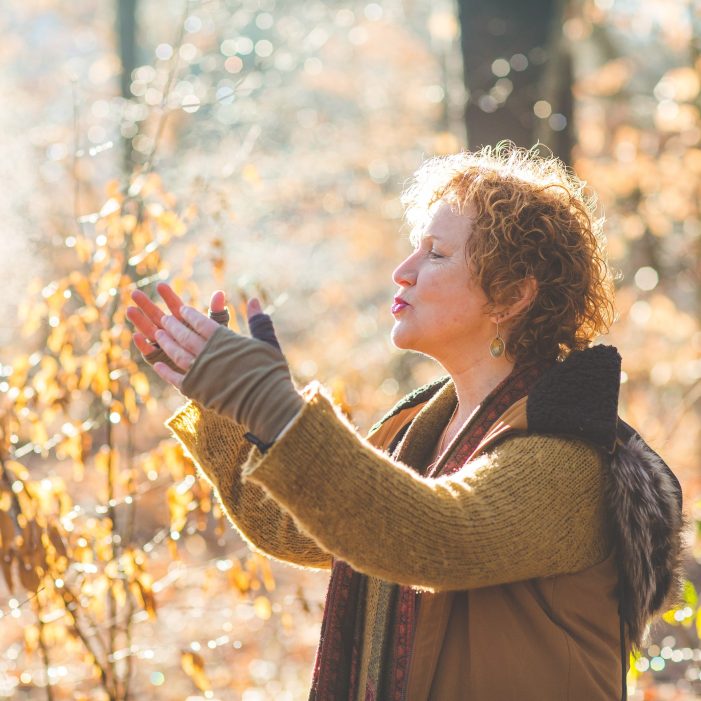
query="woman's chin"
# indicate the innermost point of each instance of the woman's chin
(401, 338)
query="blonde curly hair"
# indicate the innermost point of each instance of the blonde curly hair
(531, 219)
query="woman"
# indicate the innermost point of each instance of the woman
(500, 534)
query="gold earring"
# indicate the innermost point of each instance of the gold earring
(497, 346)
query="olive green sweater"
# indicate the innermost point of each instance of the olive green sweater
(531, 507)
(217, 446)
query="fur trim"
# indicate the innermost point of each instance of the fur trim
(644, 507)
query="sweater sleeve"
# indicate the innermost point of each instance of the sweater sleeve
(217, 446)
(532, 507)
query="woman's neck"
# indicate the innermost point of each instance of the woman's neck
(474, 381)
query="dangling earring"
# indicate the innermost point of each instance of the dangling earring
(497, 346)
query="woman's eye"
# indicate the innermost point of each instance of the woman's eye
(434, 254)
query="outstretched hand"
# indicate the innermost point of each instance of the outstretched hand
(181, 335)
(246, 379)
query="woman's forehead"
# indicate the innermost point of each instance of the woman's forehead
(442, 219)
(447, 223)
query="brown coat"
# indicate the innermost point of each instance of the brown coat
(542, 636)
(549, 638)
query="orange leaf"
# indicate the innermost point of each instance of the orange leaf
(263, 607)
(7, 557)
(193, 666)
(29, 576)
(141, 385)
(57, 541)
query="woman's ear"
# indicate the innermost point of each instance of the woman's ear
(527, 292)
(523, 295)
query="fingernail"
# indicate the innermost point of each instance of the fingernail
(160, 334)
(167, 320)
(185, 311)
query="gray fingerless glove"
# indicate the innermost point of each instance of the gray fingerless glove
(247, 380)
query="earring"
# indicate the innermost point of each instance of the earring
(497, 346)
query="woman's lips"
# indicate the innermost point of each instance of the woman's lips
(398, 306)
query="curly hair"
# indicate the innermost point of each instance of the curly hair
(531, 218)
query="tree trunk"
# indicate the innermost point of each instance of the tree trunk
(535, 66)
(126, 36)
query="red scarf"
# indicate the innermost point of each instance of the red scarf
(338, 655)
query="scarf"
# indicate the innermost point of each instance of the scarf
(337, 671)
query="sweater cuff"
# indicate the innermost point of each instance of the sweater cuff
(262, 466)
(215, 443)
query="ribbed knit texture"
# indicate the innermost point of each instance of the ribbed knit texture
(532, 507)
(217, 446)
(245, 379)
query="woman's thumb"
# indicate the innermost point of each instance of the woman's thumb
(217, 308)
(260, 324)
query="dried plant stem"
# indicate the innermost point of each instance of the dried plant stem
(76, 151)
(166, 92)
(44, 649)
(105, 677)
(15, 509)
(128, 535)
(111, 603)
(116, 539)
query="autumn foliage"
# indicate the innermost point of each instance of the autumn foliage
(268, 145)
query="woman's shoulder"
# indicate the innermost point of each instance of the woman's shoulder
(549, 455)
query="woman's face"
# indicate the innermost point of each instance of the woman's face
(443, 314)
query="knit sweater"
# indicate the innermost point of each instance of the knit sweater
(217, 446)
(531, 507)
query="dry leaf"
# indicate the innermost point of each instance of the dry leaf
(193, 666)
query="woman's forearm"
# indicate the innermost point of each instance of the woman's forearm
(218, 447)
(533, 507)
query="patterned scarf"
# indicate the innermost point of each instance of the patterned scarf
(337, 667)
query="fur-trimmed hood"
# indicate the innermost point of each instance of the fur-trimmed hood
(579, 397)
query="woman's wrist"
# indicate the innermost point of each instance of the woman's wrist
(245, 379)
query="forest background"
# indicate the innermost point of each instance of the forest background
(260, 146)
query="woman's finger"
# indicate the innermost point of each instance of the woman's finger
(142, 322)
(218, 309)
(218, 302)
(171, 298)
(188, 339)
(253, 307)
(148, 308)
(260, 324)
(169, 375)
(179, 355)
(204, 326)
(142, 343)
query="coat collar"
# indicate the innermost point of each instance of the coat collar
(577, 397)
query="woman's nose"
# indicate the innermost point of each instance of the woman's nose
(405, 273)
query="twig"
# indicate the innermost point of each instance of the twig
(24, 601)
(168, 87)
(111, 603)
(76, 151)
(129, 534)
(69, 598)
(44, 650)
